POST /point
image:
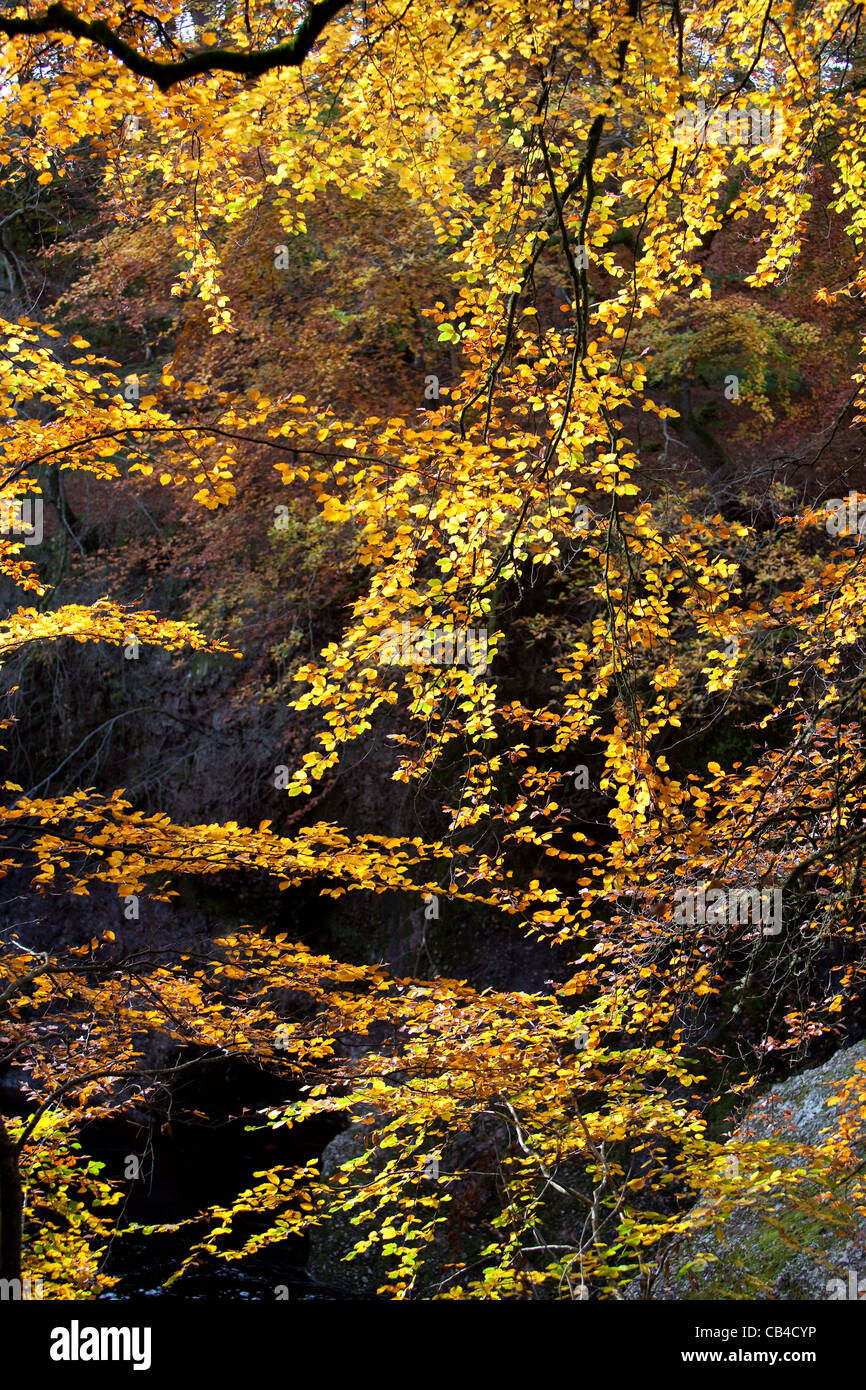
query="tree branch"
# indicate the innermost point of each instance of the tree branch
(58, 19)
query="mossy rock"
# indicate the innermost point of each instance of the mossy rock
(331, 1242)
(469, 1202)
(774, 1249)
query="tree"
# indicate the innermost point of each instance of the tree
(577, 155)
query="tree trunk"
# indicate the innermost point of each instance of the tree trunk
(11, 1208)
(706, 449)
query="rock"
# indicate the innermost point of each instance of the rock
(472, 1156)
(798, 1257)
(331, 1242)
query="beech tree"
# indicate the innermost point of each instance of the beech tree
(572, 165)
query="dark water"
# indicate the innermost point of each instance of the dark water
(187, 1162)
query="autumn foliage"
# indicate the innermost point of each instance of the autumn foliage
(289, 219)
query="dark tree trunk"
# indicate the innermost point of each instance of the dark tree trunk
(708, 451)
(11, 1208)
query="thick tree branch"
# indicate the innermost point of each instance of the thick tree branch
(58, 19)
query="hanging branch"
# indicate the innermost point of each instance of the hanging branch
(58, 19)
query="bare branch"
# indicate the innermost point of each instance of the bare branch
(58, 19)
